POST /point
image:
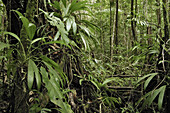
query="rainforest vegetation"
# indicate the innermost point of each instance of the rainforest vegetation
(84, 56)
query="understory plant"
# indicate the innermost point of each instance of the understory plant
(34, 67)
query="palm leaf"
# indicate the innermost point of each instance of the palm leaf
(149, 79)
(161, 96)
(145, 76)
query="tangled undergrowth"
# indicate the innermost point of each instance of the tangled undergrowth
(56, 64)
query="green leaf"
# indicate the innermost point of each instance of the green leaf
(44, 110)
(161, 96)
(65, 38)
(149, 79)
(44, 74)
(61, 28)
(74, 27)
(33, 69)
(134, 48)
(68, 24)
(108, 80)
(85, 29)
(80, 81)
(37, 39)
(30, 27)
(48, 84)
(78, 6)
(153, 96)
(52, 63)
(54, 91)
(56, 36)
(145, 76)
(31, 30)
(153, 51)
(19, 14)
(37, 75)
(142, 98)
(25, 22)
(65, 107)
(95, 84)
(54, 73)
(3, 45)
(15, 36)
(56, 5)
(92, 25)
(74, 44)
(30, 76)
(67, 10)
(84, 41)
(55, 87)
(64, 2)
(57, 68)
(73, 2)
(12, 34)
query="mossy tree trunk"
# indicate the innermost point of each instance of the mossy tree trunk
(165, 53)
(19, 96)
(164, 56)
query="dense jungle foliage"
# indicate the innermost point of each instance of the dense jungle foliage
(84, 56)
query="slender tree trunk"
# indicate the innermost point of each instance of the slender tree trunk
(114, 39)
(125, 35)
(169, 13)
(158, 11)
(166, 29)
(19, 95)
(136, 10)
(101, 35)
(115, 32)
(165, 40)
(116, 23)
(132, 23)
(164, 56)
(111, 48)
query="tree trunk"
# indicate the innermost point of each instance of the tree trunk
(115, 27)
(19, 96)
(111, 48)
(116, 24)
(132, 24)
(158, 11)
(136, 10)
(164, 56)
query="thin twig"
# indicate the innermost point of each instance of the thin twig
(159, 83)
